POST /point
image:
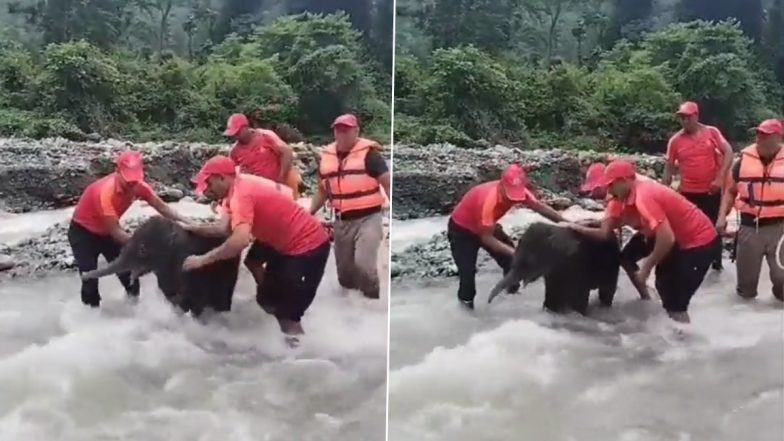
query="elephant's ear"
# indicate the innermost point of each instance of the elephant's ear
(564, 242)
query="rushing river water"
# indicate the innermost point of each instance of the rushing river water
(510, 371)
(143, 372)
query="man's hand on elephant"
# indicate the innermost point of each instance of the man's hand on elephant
(193, 262)
(187, 225)
(566, 224)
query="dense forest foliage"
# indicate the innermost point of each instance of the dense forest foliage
(153, 69)
(598, 74)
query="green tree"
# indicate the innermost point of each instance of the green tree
(475, 94)
(489, 25)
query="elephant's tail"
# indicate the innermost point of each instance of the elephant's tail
(511, 278)
(115, 267)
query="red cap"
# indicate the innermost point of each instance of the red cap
(688, 108)
(593, 177)
(236, 123)
(515, 183)
(770, 127)
(347, 120)
(617, 170)
(130, 166)
(216, 166)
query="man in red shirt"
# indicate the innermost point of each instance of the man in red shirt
(638, 246)
(684, 239)
(261, 152)
(474, 225)
(703, 157)
(296, 245)
(95, 227)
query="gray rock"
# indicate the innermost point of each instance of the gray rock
(171, 194)
(6, 262)
(50, 252)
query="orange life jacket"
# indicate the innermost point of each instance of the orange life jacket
(760, 188)
(347, 183)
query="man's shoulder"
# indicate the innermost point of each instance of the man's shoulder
(677, 136)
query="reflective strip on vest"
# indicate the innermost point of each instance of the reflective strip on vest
(760, 188)
(347, 183)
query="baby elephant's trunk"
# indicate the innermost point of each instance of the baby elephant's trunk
(119, 265)
(511, 278)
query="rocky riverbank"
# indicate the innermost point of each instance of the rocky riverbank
(429, 180)
(50, 252)
(51, 173)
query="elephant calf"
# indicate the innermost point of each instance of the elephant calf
(572, 265)
(160, 246)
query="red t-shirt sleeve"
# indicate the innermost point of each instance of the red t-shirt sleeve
(651, 211)
(672, 150)
(144, 191)
(487, 219)
(530, 198)
(272, 140)
(718, 138)
(613, 210)
(106, 200)
(241, 209)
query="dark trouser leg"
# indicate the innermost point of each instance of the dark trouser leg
(86, 247)
(637, 248)
(504, 261)
(256, 261)
(709, 203)
(111, 251)
(464, 246)
(680, 275)
(302, 276)
(748, 261)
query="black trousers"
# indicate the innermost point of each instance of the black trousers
(465, 248)
(681, 273)
(708, 203)
(637, 248)
(678, 275)
(86, 246)
(290, 282)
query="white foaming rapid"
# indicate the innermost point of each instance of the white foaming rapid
(144, 372)
(512, 371)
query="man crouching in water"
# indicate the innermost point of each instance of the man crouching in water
(638, 246)
(297, 246)
(684, 238)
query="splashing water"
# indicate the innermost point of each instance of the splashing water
(512, 371)
(144, 372)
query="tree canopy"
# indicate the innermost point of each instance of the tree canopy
(178, 68)
(604, 74)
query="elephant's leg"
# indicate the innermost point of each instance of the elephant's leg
(579, 292)
(556, 291)
(608, 284)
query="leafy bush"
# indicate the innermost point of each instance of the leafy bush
(625, 100)
(301, 70)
